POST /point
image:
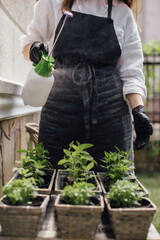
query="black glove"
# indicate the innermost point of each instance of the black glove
(143, 127)
(35, 51)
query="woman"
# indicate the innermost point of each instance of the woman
(98, 75)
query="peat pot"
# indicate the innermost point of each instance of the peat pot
(61, 181)
(131, 223)
(23, 221)
(78, 221)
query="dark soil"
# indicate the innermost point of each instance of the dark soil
(63, 181)
(144, 203)
(47, 179)
(94, 199)
(106, 183)
(34, 202)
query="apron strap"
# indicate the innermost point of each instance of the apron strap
(84, 76)
(109, 8)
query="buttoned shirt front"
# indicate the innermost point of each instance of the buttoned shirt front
(47, 14)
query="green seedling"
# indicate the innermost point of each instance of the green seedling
(34, 163)
(125, 194)
(77, 161)
(117, 165)
(78, 194)
(20, 191)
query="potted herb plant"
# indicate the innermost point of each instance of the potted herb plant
(35, 164)
(117, 166)
(78, 211)
(130, 213)
(77, 164)
(21, 209)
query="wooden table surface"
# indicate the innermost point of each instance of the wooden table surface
(48, 231)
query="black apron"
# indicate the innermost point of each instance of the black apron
(86, 101)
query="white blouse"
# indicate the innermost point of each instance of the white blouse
(47, 14)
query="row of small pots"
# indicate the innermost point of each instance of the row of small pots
(81, 222)
(75, 222)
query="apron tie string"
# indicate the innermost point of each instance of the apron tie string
(84, 76)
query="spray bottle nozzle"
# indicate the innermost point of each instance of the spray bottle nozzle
(68, 14)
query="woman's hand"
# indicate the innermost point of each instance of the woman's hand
(142, 123)
(143, 127)
(35, 51)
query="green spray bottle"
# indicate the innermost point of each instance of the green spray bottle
(40, 79)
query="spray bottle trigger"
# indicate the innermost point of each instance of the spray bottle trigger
(51, 66)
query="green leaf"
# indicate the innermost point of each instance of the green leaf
(28, 174)
(66, 152)
(74, 147)
(40, 180)
(87, 145)
(90, 166)
(61, 162)
(22, 151)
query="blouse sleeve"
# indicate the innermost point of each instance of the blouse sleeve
(131, 61)
(43, 25)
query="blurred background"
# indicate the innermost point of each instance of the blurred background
(147, 161)
(15, 15)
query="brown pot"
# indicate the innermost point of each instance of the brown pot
(22, 221)
(78, 222)
(131, 223)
